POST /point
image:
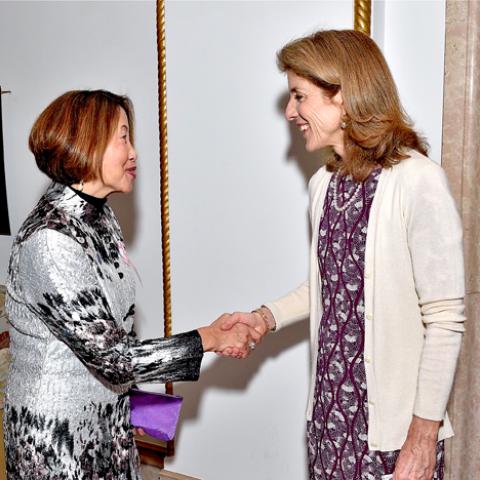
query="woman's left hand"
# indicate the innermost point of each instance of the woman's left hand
(418, 456)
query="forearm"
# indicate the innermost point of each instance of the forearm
(434, 235)
(443, 337)
(169, 359)
(293, 306)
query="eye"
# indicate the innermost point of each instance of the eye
(124, 138)
(298, 97)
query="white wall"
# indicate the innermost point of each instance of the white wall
(238, 181)
(413, 40)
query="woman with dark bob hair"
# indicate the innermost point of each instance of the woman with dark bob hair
(386, 286)
(70, 303)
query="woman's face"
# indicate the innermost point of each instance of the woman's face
(119, 159)
(317, 116)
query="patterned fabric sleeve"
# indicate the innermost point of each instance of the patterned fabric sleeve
(61, 288)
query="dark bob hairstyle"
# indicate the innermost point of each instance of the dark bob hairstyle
(70, 136)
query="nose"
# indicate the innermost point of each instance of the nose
(132, 154)
(290, 110)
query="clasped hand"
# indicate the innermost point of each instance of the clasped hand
(233, 335)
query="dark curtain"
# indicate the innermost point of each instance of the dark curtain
(4, 220)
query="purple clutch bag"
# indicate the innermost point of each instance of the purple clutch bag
(156, 413)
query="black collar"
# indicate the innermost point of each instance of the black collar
(95, 201)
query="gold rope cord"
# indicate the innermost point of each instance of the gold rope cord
(362, 15)
(165, 207)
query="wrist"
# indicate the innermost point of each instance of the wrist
(424, 428)
(266, 315)
(207, 338)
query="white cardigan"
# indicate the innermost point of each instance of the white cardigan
(414, 289)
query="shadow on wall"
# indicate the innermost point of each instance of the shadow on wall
(231, 374)
(125, 208)
(308, 162)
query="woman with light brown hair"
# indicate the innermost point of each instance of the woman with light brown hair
(71, 305)
(386, 287)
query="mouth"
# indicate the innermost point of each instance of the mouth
(303, 127)
(132, 172)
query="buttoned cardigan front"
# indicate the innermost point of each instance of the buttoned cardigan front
(414, 290)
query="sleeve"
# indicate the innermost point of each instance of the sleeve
(292, 307)
(61, 288)
(434, 233)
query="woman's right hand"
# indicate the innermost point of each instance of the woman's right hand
(259, 323)
(237, 340)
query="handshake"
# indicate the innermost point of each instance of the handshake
(237, 334)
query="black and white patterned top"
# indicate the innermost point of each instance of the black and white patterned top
(70, 303)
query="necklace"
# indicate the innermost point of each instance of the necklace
(335, 195)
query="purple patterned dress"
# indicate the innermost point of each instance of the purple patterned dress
(337, 434)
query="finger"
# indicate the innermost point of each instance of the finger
(245, 344)
(247, 319)
(228, 323)
(249, 345)
(248, 348)
(245, 329)
(243, 354)
(256, 336)
(229, 355)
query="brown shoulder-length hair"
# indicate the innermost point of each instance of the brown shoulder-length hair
(377, 129)
(71, 135)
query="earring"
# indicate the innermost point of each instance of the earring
(343, 125)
